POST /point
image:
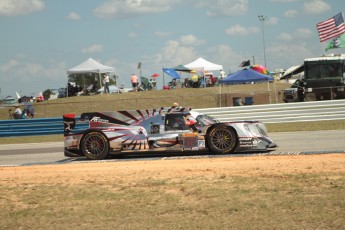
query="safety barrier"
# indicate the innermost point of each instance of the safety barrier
(281, 113)
(33, 127)
(271, 113)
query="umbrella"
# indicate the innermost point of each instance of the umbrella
(171, 72)
(155, 75)
(260, 68)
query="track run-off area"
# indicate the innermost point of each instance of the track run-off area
(290, 143)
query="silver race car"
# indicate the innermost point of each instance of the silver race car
(98, 135)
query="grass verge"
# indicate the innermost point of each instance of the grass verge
(285, 201)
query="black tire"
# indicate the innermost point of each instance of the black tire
(95, 146)
(222, 139)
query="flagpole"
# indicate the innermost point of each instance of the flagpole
(163, 77)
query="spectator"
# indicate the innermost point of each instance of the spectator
(40, 97)
(213, 80)
(106, 83)
(134, 81)
(195, 81)
(175, 105)
(17, 113)
(30, 111)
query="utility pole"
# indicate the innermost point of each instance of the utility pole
(262, 19)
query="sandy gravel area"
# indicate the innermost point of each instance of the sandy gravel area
(75, 173)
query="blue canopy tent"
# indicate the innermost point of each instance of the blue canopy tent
(248, 76)
(245, 76)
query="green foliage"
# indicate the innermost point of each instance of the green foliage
(46, 94)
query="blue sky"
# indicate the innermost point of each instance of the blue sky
(42, 39)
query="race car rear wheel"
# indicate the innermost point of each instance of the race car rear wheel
(222, 139)
(95, 146)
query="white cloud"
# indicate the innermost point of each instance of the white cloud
(162, 33)
(20, 7)
(132, 35)
(175, 54)
(9, 65)
(191, 40)
(31, 69)
(290, 13)
(30, 77)
(73, 16)
(284, 0)
(286, 37)
(303, 33)
(221, 53)
(93, 49)
(300, 34)
(316, 7)
(223, 7)
(282, 55)
(130, 8)
(241, 31)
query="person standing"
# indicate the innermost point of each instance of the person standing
(106, 83)
(134, 81)
(30, 111)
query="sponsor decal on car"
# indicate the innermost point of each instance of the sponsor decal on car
(98, 119)
(201, 143)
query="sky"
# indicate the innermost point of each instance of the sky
(42, 39)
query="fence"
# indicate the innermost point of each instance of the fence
(273, 113)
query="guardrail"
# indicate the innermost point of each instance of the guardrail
(281, 113)
(33, 127)
(272, 113)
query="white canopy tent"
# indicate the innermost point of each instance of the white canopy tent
(91, 66)
(203, 65)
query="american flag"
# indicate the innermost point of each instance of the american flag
(331, 28)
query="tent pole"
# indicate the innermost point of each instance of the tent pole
(220, 95)
(163, 77)
(269, 91)
(275, 90)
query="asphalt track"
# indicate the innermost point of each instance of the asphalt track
(306, 142)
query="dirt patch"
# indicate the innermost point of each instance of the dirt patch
(131, 171)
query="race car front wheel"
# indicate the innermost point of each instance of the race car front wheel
(222, 139)
(95, 146)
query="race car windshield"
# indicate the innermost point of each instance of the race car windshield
(205, 120)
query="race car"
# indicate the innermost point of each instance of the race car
(98, 135)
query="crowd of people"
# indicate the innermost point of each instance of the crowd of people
(28, 111)
(194, 82)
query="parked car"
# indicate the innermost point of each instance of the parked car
(166, 129)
